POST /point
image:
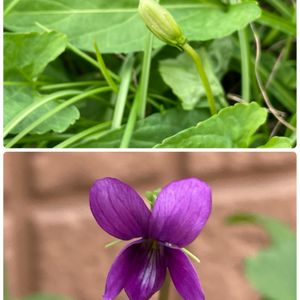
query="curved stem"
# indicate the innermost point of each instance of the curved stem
(35, 105)
(54, 111)
(164, 291)
(198, 62)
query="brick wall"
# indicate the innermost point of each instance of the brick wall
(53, 244)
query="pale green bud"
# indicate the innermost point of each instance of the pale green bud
(161, 23)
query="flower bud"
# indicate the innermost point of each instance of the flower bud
(161, 23)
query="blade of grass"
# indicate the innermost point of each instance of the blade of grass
(60, 107)
(67, 85)
(91, 138)
(10, 6)
(43, 137)
(277, 22)
(125, 142)
(245, 62)
(105, 72)
(83, 134)
(281, 7)
(35, 105)
(125, 74)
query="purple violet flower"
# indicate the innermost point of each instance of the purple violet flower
(178, 215)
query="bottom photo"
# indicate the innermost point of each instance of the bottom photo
(150, 225)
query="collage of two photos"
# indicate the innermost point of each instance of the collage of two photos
(149, 149)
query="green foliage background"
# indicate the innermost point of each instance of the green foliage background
(60, 92)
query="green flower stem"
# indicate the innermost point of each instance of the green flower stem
(67, 85)
(82, 134)
(125, 74)
(131, 122)
(60, 107)
(245, 62)
(145, 75)
(35, 105)
(104, 70)
(164, 291)
(197, 60)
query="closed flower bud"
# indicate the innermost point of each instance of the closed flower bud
(161, 23)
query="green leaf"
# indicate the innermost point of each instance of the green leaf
(278, 232)
(182, 76)
(273, 271)
(116, 26)
(152, 130)
(26, 55)
(277, 22)
(232, 127)
(278, 142)
(220, 52)
(16, 99)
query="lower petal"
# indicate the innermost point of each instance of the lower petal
(140, 269)
(118, 273)
(184, 275)
(148, 271)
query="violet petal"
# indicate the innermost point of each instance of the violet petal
(184, 275)
(180, 211)
(118, 209)
(119, 271)
(147, 271)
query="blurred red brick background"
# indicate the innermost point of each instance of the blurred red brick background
(53, 244)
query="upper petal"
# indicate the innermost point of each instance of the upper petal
(148, 271)
(184, 275)
(118, 209)
(180, 211)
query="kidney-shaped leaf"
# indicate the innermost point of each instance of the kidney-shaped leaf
(117, 27)
(27, 54)
(232, 127)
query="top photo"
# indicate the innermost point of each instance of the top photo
(149, 74)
